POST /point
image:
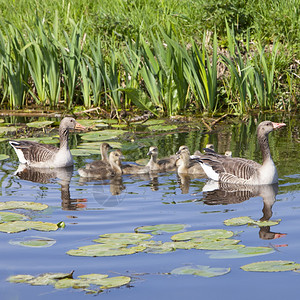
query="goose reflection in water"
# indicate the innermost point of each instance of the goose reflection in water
(45, 176)
(216, 193)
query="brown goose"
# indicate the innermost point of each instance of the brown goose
(162, 165)
(104, 162)
(48, 156)
(105, 171)
(243, 171)
(187, 165)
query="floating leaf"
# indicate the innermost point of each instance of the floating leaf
(71, 283)
(223, 244)
(8, 217)
(84, 152)
(96, 145)
(17, 226)
(242, 252)
(162, 127)
(203, 271)
(61, 224)
(158, 229)
(271, 266)
(34, 241)
(20, 278)
(158, 247)
(39, 124)
(112, 282)
(4, 130)
(127, 238)
(3, 156)
(154, 122)
(248, 221)
(23, 205)
(104, 250)
(205, 234)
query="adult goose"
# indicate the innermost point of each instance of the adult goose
(187, 165)
(105, 171)
(104, 162)
(161, 165)
(240, 170)
(48, 156)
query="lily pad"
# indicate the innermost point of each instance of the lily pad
(271, 266)
(242, 252)
(71, 283)
(224, 244)
(84, 152)
(203, 271)
(8, 217)
(162, 127)
(22, 205)
(3, 156)
(4, 130)
(33, 241)
(158, 247)
(17, 226)
(205, 234)
(154, 122)
(104, 250)
(39, 124)
(158, 229)
(125, 237)
(248, 221)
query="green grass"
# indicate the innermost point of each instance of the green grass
(162, 56)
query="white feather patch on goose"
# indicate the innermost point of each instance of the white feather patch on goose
(19, 152)
(209, 171)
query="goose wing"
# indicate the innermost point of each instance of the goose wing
(32, 151)
(229, 168)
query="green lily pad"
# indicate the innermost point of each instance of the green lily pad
(47, 140)
(33, 241)
(22, 205)
(43, 279)
(125, 237)
(104, 250)
(84, 152)
(96, 136)
(71, 283)
(205, 234)
(3, 156)
(154, 122)
(240, 253)
(203, 271)
(271, 266)
(224, 244)
(248, 221)
(158, 229)
(96, 145)
(109, 121)
(162, 127)
(17, 226)
(112, 282)
(158, 247)
(8, 217)
(39, 124)
(4, 130)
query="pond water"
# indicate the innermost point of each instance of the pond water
(92, 208)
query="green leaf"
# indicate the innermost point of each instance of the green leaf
(22, 205)
(224, 244)
(250, 222)
(271, 266)
(8, 216)
(39, 124)
(204, 234)
(104, 250)
(3, 156)
(17, 226)
(242, 252)
(158, 229)
(127, 238)
(203, 271)
(162, 127)
(84, 152)
(61, 224)
(35, 242)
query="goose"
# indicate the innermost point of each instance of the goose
(104, 162)
(48, 156)
(243, 171)
(105, 171)
(162, 165)
(187, 165)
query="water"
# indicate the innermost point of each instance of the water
(89, 209)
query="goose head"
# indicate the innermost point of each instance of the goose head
(115, 157)
(70, 123)
(264, 128)
(153, 151)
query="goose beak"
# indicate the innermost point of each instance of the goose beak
(149, 153)
(79, 127)
(178, 152)
(278, 125)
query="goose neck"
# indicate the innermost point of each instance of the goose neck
(64, 137)
(264, 147)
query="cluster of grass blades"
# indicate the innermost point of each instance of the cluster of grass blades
(156, 72)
